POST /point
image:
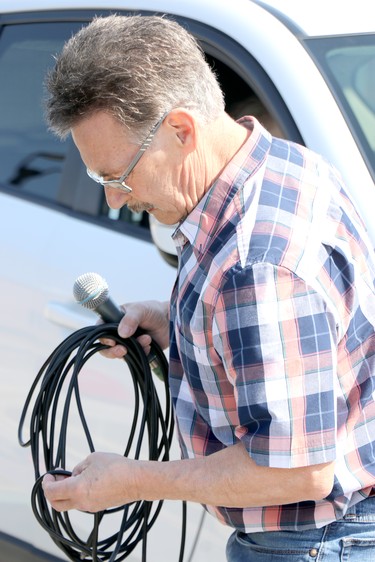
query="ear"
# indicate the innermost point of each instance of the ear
(183, 126)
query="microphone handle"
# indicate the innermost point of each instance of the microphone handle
(110, 312)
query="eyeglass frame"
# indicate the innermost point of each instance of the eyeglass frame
(120, 183)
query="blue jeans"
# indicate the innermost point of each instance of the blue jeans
(351, 539)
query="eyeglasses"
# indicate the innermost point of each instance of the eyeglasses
(121, 182)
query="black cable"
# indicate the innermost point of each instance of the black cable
(52, 392)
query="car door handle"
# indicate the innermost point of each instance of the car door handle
(69, 315)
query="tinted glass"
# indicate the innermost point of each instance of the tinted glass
(30, 157)
(349, 64)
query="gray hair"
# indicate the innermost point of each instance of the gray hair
(135, 68)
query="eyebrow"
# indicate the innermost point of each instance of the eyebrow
(105, 175)
(102, 174)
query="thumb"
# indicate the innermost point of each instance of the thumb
(51, 478)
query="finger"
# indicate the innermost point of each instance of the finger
(115, 352)
(60, 477)
(55, 476)
(62, 505)
(130, 322)
(107, 341)
(144, 340)
(57, 487)
(48, 478)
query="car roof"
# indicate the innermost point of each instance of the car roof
(303, 18)
(322, 17)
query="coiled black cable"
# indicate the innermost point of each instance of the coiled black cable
(151, 427)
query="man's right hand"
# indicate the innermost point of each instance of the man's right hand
(150, 316)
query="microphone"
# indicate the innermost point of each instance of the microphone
(91, 291)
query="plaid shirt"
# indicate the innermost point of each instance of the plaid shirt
(272, 327)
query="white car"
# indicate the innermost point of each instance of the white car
(306, 69)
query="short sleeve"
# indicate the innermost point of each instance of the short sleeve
(277, 341)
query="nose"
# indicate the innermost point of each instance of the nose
(115, 197)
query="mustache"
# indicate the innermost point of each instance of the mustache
(140, 207)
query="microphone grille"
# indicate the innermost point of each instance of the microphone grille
(90, 290)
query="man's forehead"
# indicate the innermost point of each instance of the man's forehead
(100, 126)
(102, 143)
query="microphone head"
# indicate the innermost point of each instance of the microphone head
(90, 290)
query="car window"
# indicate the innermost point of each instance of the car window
(354, 70)
(31, 157)
(349, 64)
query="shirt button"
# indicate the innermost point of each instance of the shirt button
(313, 552)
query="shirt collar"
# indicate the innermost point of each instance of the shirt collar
(200, 225)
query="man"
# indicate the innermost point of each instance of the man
(271, 321)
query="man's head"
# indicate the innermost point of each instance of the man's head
(134, 68)
(145, 111)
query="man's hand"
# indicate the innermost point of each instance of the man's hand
(101, 481)
(150, 316)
